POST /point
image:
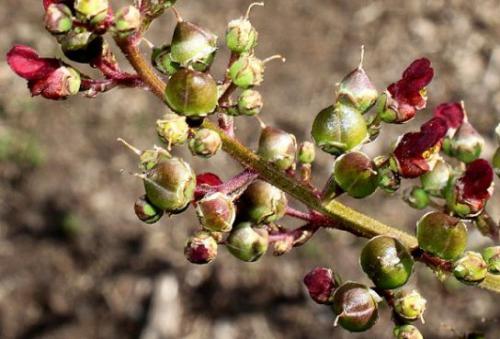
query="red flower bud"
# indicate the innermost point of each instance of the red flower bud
(320, 284)
(206, 179)
(452, 113)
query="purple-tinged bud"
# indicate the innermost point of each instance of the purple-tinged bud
(93, 11)
(407, 332)
(263, 203)
(471, 269)
(283, 246)
(278, 147)
(417, 198)
(63, 82)
(205, 143)
(307, 152)
(216, 212)
(127, 21)
(356, 307)
(355, 173)
(161, 59)
(357, 90)
(250, 103)
(409, 305)
(58, 19)
(192, 43)
(191, 93)
(467, 143)
(442, 235)
(321, 284)
(172, 129)
(436, 180)
(247, 243)
(201, 248)
(147, 212)
(81, 46)
(492, 257)
(388, 175)
(496, 162)
(247, 71)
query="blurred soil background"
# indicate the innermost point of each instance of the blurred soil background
(76, 263)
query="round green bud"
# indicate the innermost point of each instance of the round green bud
(467, 143)
(172, 129)
(127, 21)
(387, 262)
(147, 212)
(338, 129)
(216, 212)
(278, 147)
(241, 36)
(247, 243)
(496, 162)
(356, 306)
(492, 257)
(250, 102)
(58, 19)
(201, 248)
(70, 81)
(388, 175)
(263, 203)
(94, 11)
(357, 90)
(354, 172)
(247, 71)
(442, 235)
(436, 180)
(205, 143)
(191, 93)
(307, 152)
(81, 46)
(407, 332)
(162, 60)
(170, 184)
(470, 269)
(409, 305)
(191, 43)
(417, 198)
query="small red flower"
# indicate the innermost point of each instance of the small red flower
(320, 284)
(452, 112)
(414, 152)
(205, 180)
(475, 187)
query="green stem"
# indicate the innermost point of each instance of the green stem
(348, 219)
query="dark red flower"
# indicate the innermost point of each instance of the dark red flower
(320, 284)
(452, 113)
(205, 180)
(474, 188)
(415, 150)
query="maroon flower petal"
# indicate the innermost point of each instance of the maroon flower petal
(320, 284)
(452, 113)
(476, 182)
(205, 179)
(27, 64)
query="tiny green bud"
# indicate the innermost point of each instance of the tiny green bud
(442, 235)
(201, 248)
(496, 162)
(387, 262)
(407, 332)
(354, 172)
(436, 180)
(191, 43)
(81, 46)
(247, 71)
(58, 19)
(149, 158)
(278, 147)
(127, 21)
(147, 212)
(417, 198)
(205, 143)
(216, 212)
(247, 243)
(409, 305)
(241, 36)
(357, 90)
(250, 102)
(94, 11)
(263, 203)
(356, 307)
(172, 129)
(191, 93)
(388, 176)
(307, 152)
(338, 129)
(467, 143)
(492, 257)
(470, 269)
(162, 60)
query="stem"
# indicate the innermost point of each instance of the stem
(348, 219)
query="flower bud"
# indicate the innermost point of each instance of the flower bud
(241, 36)
(354, 172)
(147, 212)
(470, 269)
(205, 143)
(388, 176)
(94, 11)
(442, 235)
(409, 305)
(307, 153)
(338, 129)
(201, 248)
(247, 243)
(127, 21)
(278, 147)
(407, 332)
(81, 46)
(357, 90)
(170, 184)
(247, 71)
(61, 83)
(162, 60)
(417, 198)
(172, 129)
(496, 162)
(467, 143)
(191, 43)
(355, 306)
(58, 19)
(387, 262)
(436, 180)
(492, 257)
(263, 203)
(250, 102)
(216, 212)
(320, 284)
(191, 93)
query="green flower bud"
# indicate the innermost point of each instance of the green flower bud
(191, 93)
(467, 143)
(241, 36)
(170, 184)
(247, 71)
(407, 332)
(191, 43)
(201, 248)
(338, 129)
(250, 102)
(147, 212)
(81, 46)
(204, 64)
(307, 152)
(278, 147)
(150, 158)
(58, 19)
(356, 307)
(442, 235)
(496, 162)
(387, 262)
(216, 212)
(172, 129)
(354, 172)
(417, 198)
(357, 90)
(162, 60)
(492, 257)
(471, 269)
(247, 243)
(263, 203)
(205, 143)
(388, 176)
(436, 180)
(127, 21)
(409, 305)
(94, 11)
